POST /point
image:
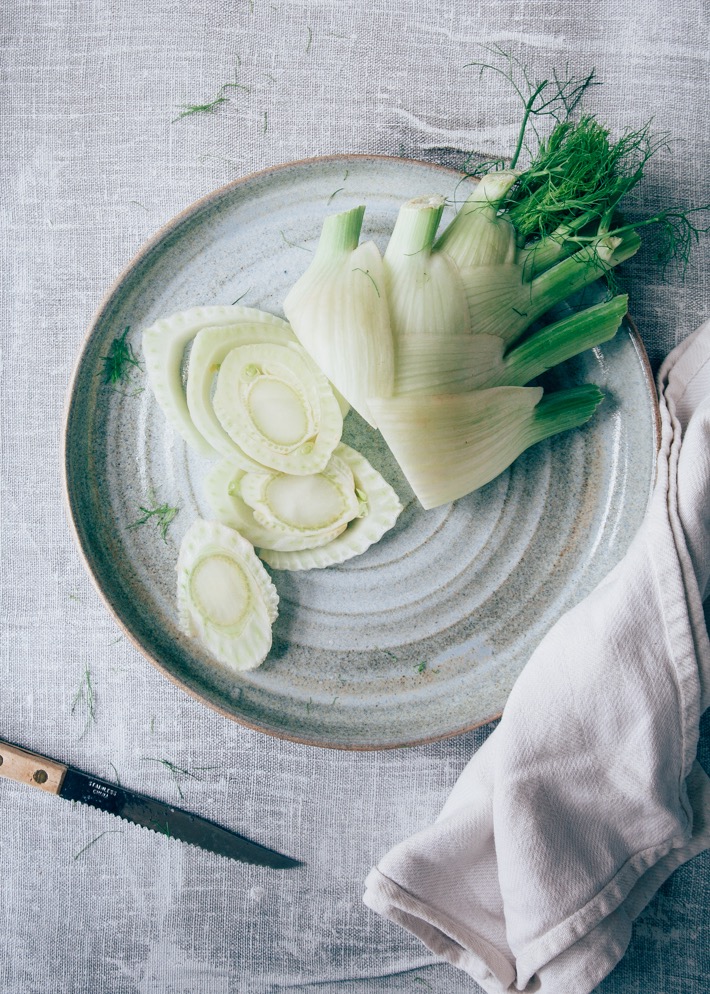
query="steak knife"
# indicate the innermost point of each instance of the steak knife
(74, 785)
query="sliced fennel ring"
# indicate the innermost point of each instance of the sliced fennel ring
(225, 596)
(380, 508)
(209, 349)
(278, 407)
(222, 487)
(318, 503)
(164, 344)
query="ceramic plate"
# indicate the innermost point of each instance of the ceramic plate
(423, 636)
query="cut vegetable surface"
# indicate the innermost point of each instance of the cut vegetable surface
(223, 492)
(225, 596)
(278, 407)
(209, 349)
(379, 509)
(164, 345)
(321, 502)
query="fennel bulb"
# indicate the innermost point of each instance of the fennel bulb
(338, 311)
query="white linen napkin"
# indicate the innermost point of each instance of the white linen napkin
(587, 795)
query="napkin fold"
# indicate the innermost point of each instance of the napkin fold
(587, 795)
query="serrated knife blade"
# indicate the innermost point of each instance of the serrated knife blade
(73, 784)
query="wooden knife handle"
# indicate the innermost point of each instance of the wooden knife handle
(30, 768)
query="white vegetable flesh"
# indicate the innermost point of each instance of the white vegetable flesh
(278, 407)
(338, 311)
(425, 292)
(285, 513)
(223, 493)
(478, 235)
(225, 597)
(321, 502)
(380, 508)
(457, 308)
(164, 344)
(450, 444)
(459, 363)
(209, 350)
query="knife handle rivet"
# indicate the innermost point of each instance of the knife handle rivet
(0, 760)
(40, 776)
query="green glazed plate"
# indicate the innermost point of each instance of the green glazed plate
(423, 636)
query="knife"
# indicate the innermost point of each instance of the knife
(74, 785)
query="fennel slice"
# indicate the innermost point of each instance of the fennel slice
(279, 408)
(225, 597)
(164, 344)
(383, 509)
(223, 492)
(424, 290)
(315, 504)
(209, 349)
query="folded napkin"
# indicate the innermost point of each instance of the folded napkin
(587, 795)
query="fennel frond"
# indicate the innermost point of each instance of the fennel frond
(163, 515)
(120, 361)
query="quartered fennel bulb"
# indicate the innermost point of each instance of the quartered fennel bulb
(338, 312)
(461, 316)
(379, 509)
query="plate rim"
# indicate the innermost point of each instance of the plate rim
(143, 253)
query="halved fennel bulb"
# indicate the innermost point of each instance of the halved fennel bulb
(375, 496)
(338, 310)
(275, 403)
(225, 596)
(164, 344)
(451, 444)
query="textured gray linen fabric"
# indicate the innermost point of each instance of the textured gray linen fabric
(93, 163)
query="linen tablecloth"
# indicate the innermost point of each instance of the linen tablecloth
(95, 159)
